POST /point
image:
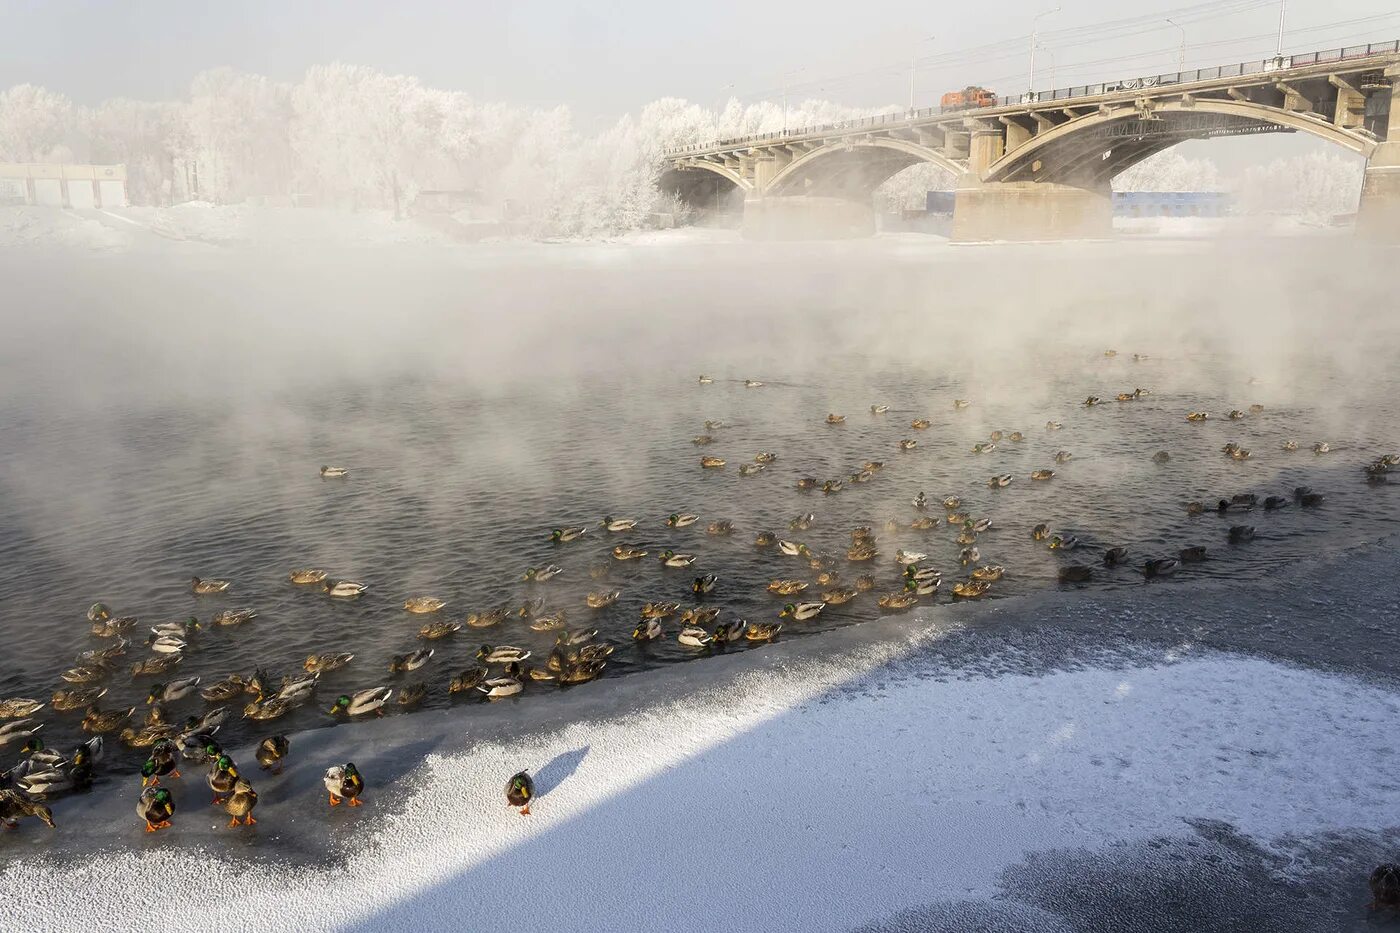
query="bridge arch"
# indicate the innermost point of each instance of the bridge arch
(705, 186)
(854, 167)
(1080, 151)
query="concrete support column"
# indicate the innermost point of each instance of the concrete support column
(1378, 214)
(986, 147)
(1029, 210)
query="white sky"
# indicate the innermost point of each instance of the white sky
(606, 57)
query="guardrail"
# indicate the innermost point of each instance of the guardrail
(1242, 69)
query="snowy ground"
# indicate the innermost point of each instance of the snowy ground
(858, 780)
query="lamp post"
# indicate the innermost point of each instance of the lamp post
(914, 67)
(786, 76)
(1181, 58)
(1035, 35)
(1282, 12)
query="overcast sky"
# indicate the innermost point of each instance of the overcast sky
(607, 57)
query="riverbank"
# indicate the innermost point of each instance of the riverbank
(1060, 762)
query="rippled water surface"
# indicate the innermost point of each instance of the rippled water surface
(166, 417)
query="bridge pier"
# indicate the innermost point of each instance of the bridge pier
(1378, 214)
(1030, 210)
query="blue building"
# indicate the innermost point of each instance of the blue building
(1130, 203)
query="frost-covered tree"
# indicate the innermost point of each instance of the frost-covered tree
(1318, 185)
(1170, 171)
(37, 125)
(236, 132)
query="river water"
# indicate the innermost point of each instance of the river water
(165, 415)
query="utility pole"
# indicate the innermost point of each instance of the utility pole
(1181, 58)
(1282, 12)
(1035, 35)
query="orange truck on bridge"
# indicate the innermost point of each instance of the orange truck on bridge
(969, 97)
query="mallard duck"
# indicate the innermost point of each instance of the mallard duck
(897, 602)
(57, 777)
(334, 472)
(413, 694)
(108, 628)
(540, 674)
(834, 418)
(411, 661)
(802, 611)
(271, 751)
(1063, 542)
(969, 555)
(343, 589)
(751, 469)
(988, 572)
(185, 629)
(230, 617)
(1041, 475)
(603, 600)
(681, 519)
(424, 604)
(923, 587)
(700, 440)
(268, 709)
(705, 380)
(859, 553)
(836, 597)
(581, 673)
(1063, 456)
(720, 528)
(923, 523)
(715, 425)
(1235, 414)
(501, 654)
(752, 384)
(155, 806)
(1016, 437)
(659, 610)
(960, 403)
(762, 631)
(906, 558)
(167, 644)
(728, 632)
(325, 663)
(487, 619)
(468, 680)
(13, 808)
(922, 574)
(172, 691)
(1385, 887)
(1053, 425)
(879, 409)
(908, 444)
(240, 803)
(1290, 445)
(1114, 556)
(496, 688)
(873, 466)
(1040, 532)
(699, 616)
(693, 636)
(793, 548)
(833, 486)
(765, 539)
(19, 707)
(983, 447)
(344, 782)
(1241, 533)
(147, 735)
(1125, 397)
(712, 463)
(205, 587)
(1197, 416)
(619, 524)
(1161, 566)
(101, 722)
(520, 790)
(307, 576)
(162, 762)
(362, 702)
(1192, 555)
(1091, 401)
(86, 674)
(787, 587)
(970, 589)
(1000, 481)
(674, 559)
(647, 630)
(1110, 354)
(567, 533)
(576, 636)
(68, 700)
(222, 776)
(705, 585)
(1322, 447)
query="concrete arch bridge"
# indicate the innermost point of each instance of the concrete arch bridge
(1040, 165)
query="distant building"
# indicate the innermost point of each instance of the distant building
(1170, 204)
(63, 185)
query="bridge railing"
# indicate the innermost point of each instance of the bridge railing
(1241, 69)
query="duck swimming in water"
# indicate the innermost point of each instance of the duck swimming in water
(675, 559)
(879, 409)
(802, 611)
(834, 418)
(1000, 481)
(1114, 556)
(567, 533)
(344, 589)
(400, 663)
(1241, 533)
(627, 552)
(1042, 475)
(752, 469)
(303, 577)
(1195, 416)
(207, 587)
(602, 600)
(720, 528)
(920, 424)
(363, 702)
(908, 444)
(1192, 555)
(704, 585)
(1161, 456)
(334, 472)
(712, 463)
(1161, 566)
(970, 589)
(423, 604)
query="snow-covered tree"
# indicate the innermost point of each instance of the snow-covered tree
(37, 125)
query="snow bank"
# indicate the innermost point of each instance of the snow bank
(52, 226)
(817, 796)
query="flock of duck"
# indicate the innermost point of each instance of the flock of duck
(818, 579)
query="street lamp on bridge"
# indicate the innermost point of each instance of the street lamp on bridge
(790, 74)
(1181, 58)
(914, 67)
(1035, 36)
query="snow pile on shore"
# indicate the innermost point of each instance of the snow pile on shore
(807, 798)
